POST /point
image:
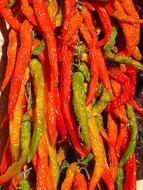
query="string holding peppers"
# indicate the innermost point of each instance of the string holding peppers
(71, 102)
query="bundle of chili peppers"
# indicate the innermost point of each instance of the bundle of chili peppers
(71, 73)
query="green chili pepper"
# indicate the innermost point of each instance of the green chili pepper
(85, 71)
(99, 121)
(80, 107)
(38, 82)
(24, 184)
(39, 49)
(101, 104)
(120, 178)
(120, 59)
(25, 137)
(130, 148)
(133, 136)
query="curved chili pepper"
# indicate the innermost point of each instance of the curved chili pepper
(37, 75)
(8, 16)
(15, 123)
(85, 71)
(28, 11)
(119, 59)
(65, 95)
(107, 27)
(24, 184)
(39, 49)
(101, 104)
(80, 107)
(43, 174)
(11, 56)
(67, 183)
(25, 137)
(48, 31)
(98, 151)
(22, 61)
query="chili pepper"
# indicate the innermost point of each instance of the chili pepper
(61, 155)
(137, 54)
(101, 104)
(35, 161)
(28, 11)
(14, 182)
(80, 181)
(80, 107)
(24, 184)
(98, 151)
(4, 120)
(11, 56)
(25, 137)
(74, 25)
(119, 59)
(121, 114)
(22, 61)
(44, 178)
(39, 49)
(99, 121)
(107, 27)
(15, 123)
(69, 10)
(37, 75)
(112, 128)
(130, 173)
(8, 16)
(67, 183)
(65, 95)
(53, 10)
(54, 167)
(6, 158)
(59, 117)
(45, 23)
(130, 147)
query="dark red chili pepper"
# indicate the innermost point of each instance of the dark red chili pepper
(23, 58)
(8, 16)
(5, 119)
(48, 31)
(65, 95)
(107, 27)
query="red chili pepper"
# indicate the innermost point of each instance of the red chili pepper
(48, 31)
(11, 56)
(28, 11)
(107, 27)
(5, 119)
(65, 95)
(23, 58)
(69, 10)
(130, 174)
(6, 158)
(8, 16)
(14, 182)
(80, 181)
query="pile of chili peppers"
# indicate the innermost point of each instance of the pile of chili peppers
(72, 68)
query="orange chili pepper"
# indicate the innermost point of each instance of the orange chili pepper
(80, 181)
(11, 57)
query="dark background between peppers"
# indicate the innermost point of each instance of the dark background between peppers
(139, 95)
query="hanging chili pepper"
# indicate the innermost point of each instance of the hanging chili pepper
(45, 23)
(22, 61)
(37, 75)
(80, 181)
(119, 59)
(8, 16)
(80, 107)
(43, 174)
(65, 95)
(67, 183)
(11, 56)
(107, 27)
(28, 11)
(98, 151)
(15, 123)
(24, 184)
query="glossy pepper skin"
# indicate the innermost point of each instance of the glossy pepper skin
(38, 82)
(119, 59)
(23, 58)
(80, 107)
